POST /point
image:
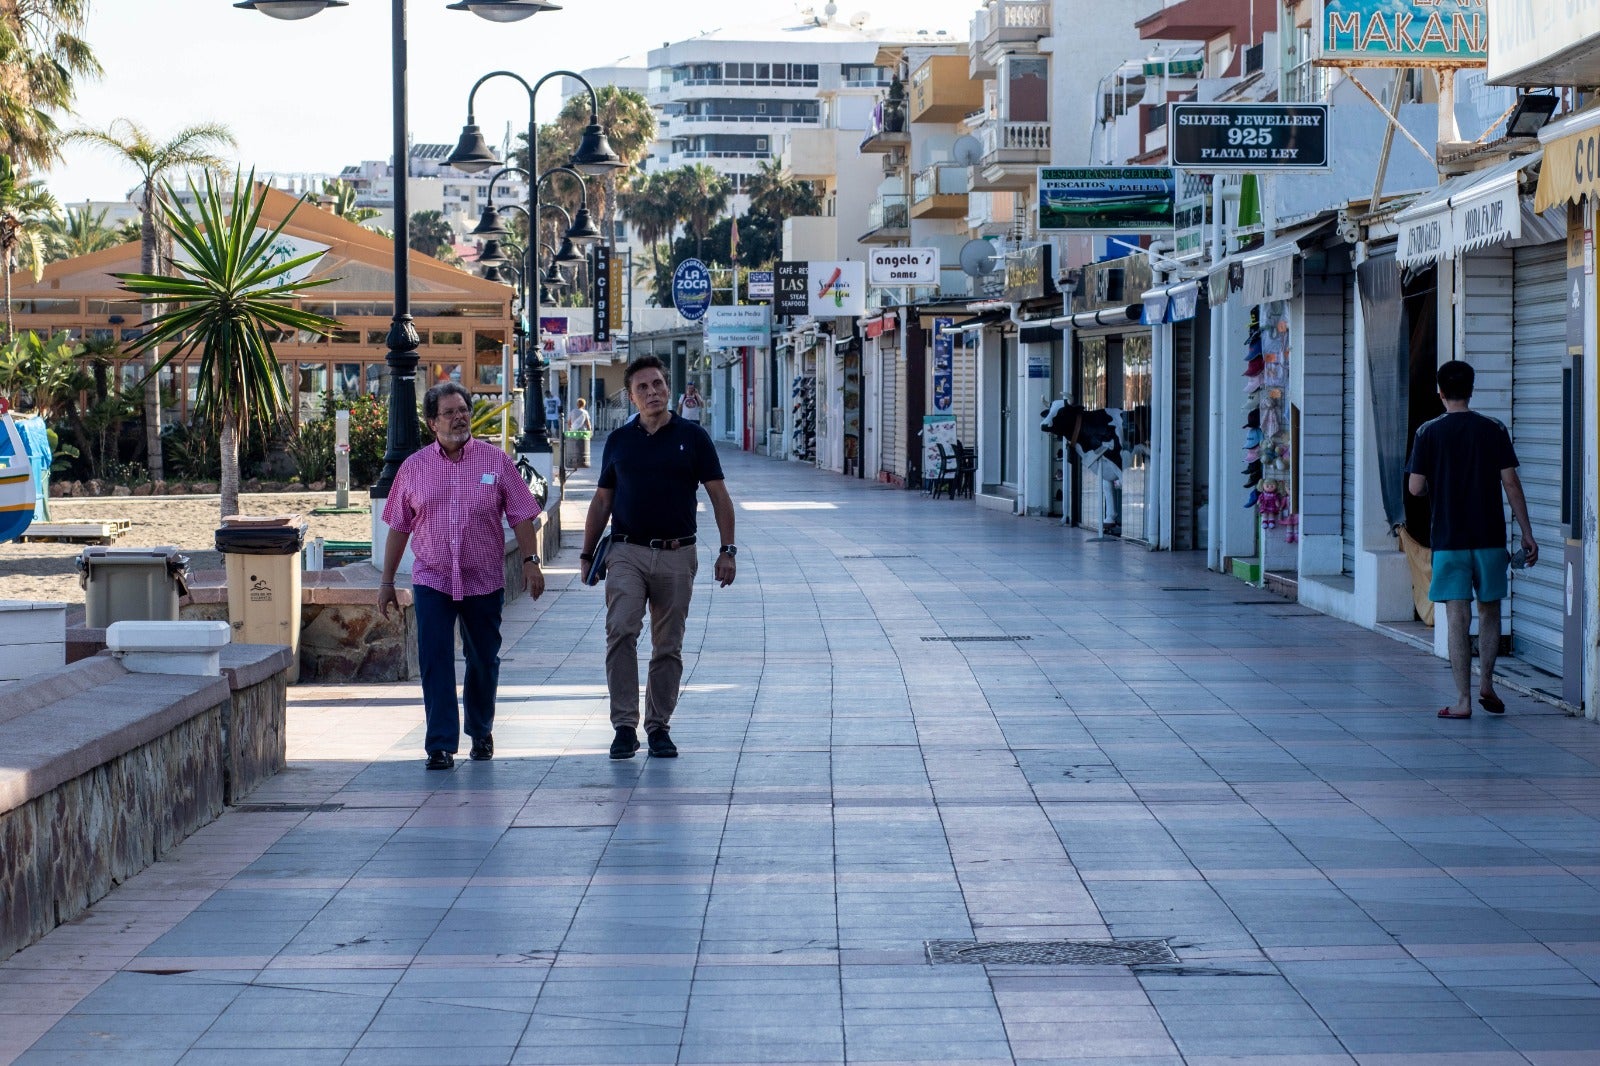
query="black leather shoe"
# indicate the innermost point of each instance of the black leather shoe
(440, 760)
(625, 743)
(661, 745)
(483, 748)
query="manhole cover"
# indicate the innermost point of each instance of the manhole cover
(287, 808)
(1050, 952)
(972, 640)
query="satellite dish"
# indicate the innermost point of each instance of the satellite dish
(830, 10)
(978, 258)
(967, 150)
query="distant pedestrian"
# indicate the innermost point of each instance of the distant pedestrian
(649, 476)
(1462, 461)
(552, 414)
(692, 404)
(580, 421)
(447, 500)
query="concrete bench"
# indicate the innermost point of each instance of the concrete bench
(106, 768)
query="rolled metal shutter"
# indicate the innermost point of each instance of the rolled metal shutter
(890, 425)
(1347, 472)
(964, 389)
(1539, 344)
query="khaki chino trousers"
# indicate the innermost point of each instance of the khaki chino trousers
(662, 580)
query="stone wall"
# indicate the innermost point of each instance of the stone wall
(106, 770)
(69, 847)
(255, 720)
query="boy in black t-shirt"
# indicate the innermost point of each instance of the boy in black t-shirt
(1463, 461)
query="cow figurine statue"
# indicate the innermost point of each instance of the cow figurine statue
(1097, 438)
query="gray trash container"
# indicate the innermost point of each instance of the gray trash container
(132, 584)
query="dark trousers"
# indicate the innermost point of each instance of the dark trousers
(479, 618)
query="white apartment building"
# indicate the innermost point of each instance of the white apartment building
(729, 97)
(434, 186)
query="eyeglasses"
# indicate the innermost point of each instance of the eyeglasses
(454, 412)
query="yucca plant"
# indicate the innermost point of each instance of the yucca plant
(228, 298)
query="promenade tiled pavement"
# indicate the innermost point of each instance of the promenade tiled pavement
(1159, 752)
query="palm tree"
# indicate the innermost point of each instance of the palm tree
(82, 231)
(651, 209)
(193, 146)
(432, 234)
(630, 125)
(41, 56)
(24, 205)
(776, 193)
(228, 298)
(703, 195)
(340, 198)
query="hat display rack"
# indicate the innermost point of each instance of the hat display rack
(1267, 470)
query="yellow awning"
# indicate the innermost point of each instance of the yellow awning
(1571, 170)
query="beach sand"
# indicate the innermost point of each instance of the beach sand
(49, 572)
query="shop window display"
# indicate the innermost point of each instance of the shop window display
(1268, 473)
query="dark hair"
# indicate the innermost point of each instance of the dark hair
(1455, 380)
(644, 362)
(431, 398)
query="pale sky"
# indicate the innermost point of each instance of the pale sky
(313, 95)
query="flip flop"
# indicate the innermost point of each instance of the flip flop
(1492, 703)
(1445, 712)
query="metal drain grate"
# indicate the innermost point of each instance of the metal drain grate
(972, 640)
(288, 808)
(879, 555)
(1050, 952)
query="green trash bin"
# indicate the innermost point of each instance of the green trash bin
(575, 449)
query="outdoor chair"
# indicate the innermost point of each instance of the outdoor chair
(943, 475)
(966, 471)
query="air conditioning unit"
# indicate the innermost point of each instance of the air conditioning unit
(761, 144)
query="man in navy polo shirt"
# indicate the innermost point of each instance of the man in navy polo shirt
(650, 473)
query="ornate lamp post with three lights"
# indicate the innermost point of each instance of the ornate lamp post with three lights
(594, 156)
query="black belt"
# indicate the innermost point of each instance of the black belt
(671, 544)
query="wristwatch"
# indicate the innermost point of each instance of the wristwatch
(534, 559)
(730, 549)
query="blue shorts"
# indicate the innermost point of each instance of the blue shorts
(1456, 574)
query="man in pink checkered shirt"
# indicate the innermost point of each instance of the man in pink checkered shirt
(447, 501)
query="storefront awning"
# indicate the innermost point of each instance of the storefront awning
(876, 326)
(1571, 167)
(1262, 275)
(1171, 303)
(1465, 212)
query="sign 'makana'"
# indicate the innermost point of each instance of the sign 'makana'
(1408, 33)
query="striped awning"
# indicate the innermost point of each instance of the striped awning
(1174, 68)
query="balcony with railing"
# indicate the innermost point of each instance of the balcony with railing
(1002, 24)
(1011, 153)
(886, 129)
(940, 192)
(888, 220)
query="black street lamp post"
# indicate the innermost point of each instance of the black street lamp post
(402, 341)
(594, 156)
(492, 231)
